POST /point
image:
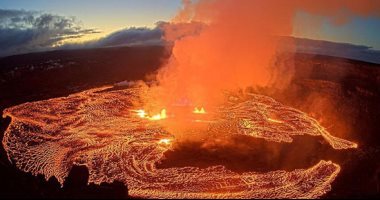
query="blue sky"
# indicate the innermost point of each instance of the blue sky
(112, 15)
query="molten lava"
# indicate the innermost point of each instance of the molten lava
(274, 120)
(95, 128)
(164, 141)
(142, 114)
(199, 111)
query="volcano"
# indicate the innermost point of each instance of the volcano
(279, 145)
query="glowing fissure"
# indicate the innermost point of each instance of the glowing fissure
(96, 128)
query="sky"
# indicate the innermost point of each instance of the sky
(359, 30)
(108, 16)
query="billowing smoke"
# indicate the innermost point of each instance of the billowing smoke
(25, 31)
(238, 46)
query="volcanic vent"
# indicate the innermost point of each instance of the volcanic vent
(101, 129)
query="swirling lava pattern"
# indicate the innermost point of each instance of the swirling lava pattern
(96, 128)
(262, 117)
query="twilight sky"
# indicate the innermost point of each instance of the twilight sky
(107, 16)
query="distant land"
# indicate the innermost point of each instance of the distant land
(153, 37)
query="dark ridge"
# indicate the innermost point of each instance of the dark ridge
(4, 123)
(75, 186)
(340, 59)
(45, 75)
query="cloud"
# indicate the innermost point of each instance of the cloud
(25, 31)
(125, 37)
(30, 31)
(163, 33)
(132, 36)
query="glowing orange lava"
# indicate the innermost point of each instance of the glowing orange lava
(96, 128)
(274, 120)
(199, 111)
(164, 141)
(142, 114)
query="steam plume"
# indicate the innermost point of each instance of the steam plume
(239, 45)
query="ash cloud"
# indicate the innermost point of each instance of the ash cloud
(24, 31)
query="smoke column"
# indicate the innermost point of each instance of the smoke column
(237, 46)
